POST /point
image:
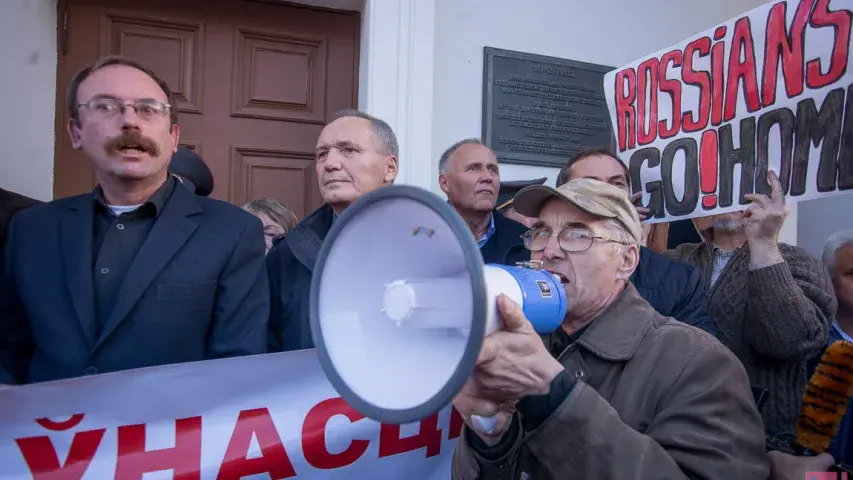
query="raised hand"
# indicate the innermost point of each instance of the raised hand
(764, 218)
(643, 212)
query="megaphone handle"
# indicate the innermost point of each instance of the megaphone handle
(486, 424)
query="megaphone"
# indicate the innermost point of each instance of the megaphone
(400, 302)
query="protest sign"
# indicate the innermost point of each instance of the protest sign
(699, 124)
(271, 416)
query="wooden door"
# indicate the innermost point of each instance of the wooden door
(255, 82)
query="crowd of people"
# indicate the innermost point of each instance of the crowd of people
(670, 363)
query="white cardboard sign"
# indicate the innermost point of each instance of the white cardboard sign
(267, 416)
(699, 124)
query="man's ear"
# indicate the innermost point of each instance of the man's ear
(74, 134)
(628, 261)
(443, 183)
(392, 167)
(176, 136)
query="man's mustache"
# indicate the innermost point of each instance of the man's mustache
(132, 139)
(729, 225)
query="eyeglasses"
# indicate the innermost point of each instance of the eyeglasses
(275, 237)
(572, 240)
(146, 110)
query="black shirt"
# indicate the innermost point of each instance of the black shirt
(116, 241)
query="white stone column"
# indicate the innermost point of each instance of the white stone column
(396, 78)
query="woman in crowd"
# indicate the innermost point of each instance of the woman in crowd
(277, 218)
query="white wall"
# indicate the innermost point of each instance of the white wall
(820, 218)
(28, 92)
(606, 32)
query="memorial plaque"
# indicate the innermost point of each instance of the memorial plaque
(540, 110)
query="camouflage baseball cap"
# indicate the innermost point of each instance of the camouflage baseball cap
(592, 196)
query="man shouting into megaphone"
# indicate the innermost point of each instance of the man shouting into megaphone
(619, 391)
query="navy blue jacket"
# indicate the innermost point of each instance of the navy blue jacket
(290, 264)
(505, 246)
(674, 289)
(196, 290)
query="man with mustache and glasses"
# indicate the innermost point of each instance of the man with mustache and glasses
(356, 154)
(141, 272)
(619, 391)
(772, 303)
(470, 177)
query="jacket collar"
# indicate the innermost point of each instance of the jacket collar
(307, 237)
(157, 200)
(170, 232)
(489, 231)
(616, 333)
(836, 333)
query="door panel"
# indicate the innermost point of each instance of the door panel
(254, 85)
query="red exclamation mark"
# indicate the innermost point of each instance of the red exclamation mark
(708, 169)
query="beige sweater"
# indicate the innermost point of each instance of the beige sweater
(773, 318)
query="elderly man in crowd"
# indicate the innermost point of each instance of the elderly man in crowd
(838, 258)
(356, 154)
(772, 304)
(470, 177)
(674, 289)
(619, 391)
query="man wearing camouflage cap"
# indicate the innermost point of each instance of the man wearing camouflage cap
(619, 391)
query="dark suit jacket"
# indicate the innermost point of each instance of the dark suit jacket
(505, 246)
(290, 263)
(197, 290)
(10, 204)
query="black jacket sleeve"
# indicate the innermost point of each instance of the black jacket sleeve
(275, 270)
(534, 411)
(16, 340)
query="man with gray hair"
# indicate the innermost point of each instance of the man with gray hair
(470, 177)
(618, 390)
(772, 303)
(356, 153)
(838, 258)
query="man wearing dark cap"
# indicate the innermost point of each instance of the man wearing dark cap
(191, 171)
(505, 197)
(470, 177)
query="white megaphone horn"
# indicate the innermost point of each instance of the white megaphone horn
(401, 300)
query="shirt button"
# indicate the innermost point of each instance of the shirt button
(120, 226)
(105, 271)
(90, 371)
